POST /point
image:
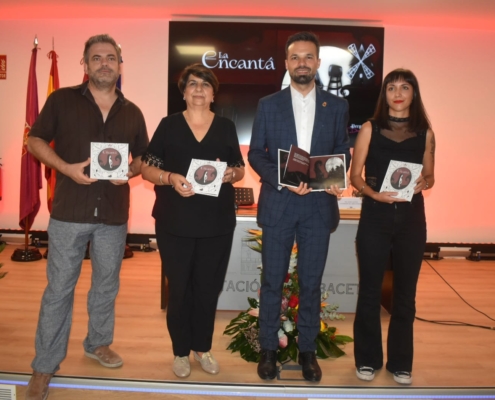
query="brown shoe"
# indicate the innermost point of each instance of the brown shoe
(106, 357)
(38, 386)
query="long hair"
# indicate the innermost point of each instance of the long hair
(418, 120)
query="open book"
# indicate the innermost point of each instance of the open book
(319, 172)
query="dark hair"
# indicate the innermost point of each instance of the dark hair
(200, 71)
(100, 39)
(418, 120)
(303, 37)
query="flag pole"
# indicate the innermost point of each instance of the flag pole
(30, 169)
(50, 174)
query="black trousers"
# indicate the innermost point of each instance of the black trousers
(195, 269)
(399, 228)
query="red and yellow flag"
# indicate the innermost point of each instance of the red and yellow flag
(50, 174)
(30, 166)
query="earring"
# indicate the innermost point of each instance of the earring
(184, 98)
(212, 100)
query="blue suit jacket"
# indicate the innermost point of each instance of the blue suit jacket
(274, 128)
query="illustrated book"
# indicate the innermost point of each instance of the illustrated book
(109, 161)
(206, 176)
(319, 172)
(401, 178)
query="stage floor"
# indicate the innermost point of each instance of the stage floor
(448, 358)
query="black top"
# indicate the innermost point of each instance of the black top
(73, 120)
(172, 148)
(395, 144)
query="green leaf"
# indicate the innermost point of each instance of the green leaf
(335, 351)
(320, 348)
(293, 350)
(331, 330)
(283, 354)
(253, 303)
(342, 339)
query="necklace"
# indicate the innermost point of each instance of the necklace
(395, 119)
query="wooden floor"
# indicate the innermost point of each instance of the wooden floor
(445, 356)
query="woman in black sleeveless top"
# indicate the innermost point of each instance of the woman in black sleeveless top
(389, 226)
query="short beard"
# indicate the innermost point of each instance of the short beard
(102, 84)
(302, 79)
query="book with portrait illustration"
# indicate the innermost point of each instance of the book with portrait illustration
(206, 176)
(109, 161)
(319, 172)
(401, 178)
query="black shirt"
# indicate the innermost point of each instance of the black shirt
(383, 149)
(172, 148)
(73, 120)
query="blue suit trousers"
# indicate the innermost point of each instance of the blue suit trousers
(303, 223)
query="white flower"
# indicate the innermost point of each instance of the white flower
(280, 333)
(292, 263)
(288, 326)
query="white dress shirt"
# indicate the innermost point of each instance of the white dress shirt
(304, 116)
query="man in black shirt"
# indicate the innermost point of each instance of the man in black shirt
(84, 209)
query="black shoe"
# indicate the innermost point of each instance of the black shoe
(267, 367)
(310, 369)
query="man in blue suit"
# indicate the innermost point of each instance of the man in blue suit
(316, 121)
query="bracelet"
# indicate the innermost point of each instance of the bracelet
(169, 175)
(360, 191)
(160, 178)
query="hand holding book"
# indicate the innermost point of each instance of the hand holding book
(319, 173)
(401, 178)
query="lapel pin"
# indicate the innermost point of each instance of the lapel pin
(324, 104)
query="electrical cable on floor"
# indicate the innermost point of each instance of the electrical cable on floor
(457, 323)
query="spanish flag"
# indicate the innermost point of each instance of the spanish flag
(50, 174)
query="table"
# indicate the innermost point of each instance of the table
(242, 280)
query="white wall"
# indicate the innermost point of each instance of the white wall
(455, 71)
(454, 67)
(145, 54)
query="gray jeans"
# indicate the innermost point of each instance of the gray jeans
(67, 246)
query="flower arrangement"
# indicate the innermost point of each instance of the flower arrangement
(244, 329)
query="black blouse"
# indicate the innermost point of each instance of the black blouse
(383, 149)
(172, 148)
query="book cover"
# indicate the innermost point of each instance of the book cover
(319, 172)
(109, 161)
(206, 176)
(297, 166)
(401, 178)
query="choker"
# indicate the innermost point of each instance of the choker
(395, 119)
